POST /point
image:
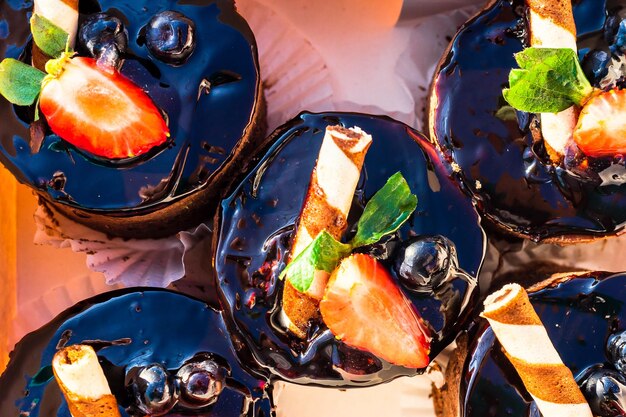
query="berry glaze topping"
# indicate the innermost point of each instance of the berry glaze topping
(497, 161)
(203, 78)
(584, 318)
(256, 226)
(161, 352)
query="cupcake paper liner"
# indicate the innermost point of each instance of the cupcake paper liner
(128, 262)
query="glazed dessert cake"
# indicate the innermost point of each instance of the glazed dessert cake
(191, 73)
(160, 353)
(583, 316)
(300, 188)
(542, 175)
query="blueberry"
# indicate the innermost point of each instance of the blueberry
(595, 65)
(169, 37)
(611, 25)
(616, 348)
(423, 263)
(153, 389)
(102, 34)
(605, 391)
(201, 381)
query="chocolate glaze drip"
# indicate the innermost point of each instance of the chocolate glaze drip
(256, 229)
(130, 329)
(518, 188)
(204, 128)
(579, 316)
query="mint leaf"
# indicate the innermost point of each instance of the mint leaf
(323, 254)
(386, 211)
(20, 83)
(50, 38)
(549, 80)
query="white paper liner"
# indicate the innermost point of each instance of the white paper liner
(294, 74)
(128, 262)
(295, 78)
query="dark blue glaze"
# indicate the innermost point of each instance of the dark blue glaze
(519, 189)
(257, 221)
(161, 327)
(579, 316)
(204, 127)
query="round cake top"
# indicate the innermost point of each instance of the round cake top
(208, 99)
(511, 176)
(580, 316)
(256, 227)
(132, 331)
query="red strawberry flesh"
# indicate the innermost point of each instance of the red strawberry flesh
(601, 129)
(364, 307)
(101, 112)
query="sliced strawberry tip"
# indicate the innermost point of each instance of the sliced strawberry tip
(364, 307)
(601, 128)
(100, 112)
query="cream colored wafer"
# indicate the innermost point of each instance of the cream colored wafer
(64, 14)
(527, 345)
(82, 381)
(326, 206)
(552, 26)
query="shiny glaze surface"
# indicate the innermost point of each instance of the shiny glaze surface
(258, 219)
(204, 127)
(510, 178)
(579, 316)
(127, 329)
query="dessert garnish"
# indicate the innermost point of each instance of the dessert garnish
(384, 213)
(326, 206)
(84, 101)
(364, 308)
(361, 303)
(83, 383)
(531, 352)
(195, 385)
(551, 81)
(552, 26)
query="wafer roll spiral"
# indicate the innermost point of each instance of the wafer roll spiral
(552, 26)
(82, 381)
(326, 207)
(527, 345)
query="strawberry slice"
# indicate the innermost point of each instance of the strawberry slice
(101, 112)
(364, 308)
(601, 129)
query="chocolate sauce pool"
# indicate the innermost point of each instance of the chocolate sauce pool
(579, 316)
(206, 123)
(129, 329)
(510, 178)
(256, 227)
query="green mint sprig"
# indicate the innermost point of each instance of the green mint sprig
(21, 83)
(50, 38)
(549, 80)
(384, 213)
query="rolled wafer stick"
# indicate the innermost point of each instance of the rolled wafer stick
(82, 381)
(326, 206)
(527, 345)
(552, 26)
(64, 14)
